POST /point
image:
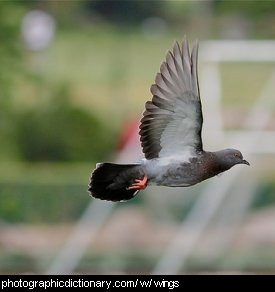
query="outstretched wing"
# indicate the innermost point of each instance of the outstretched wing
(172, 121)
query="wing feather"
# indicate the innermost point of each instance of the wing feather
(172, 121)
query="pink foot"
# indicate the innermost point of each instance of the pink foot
(139, 184)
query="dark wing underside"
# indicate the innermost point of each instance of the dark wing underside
(172, 121)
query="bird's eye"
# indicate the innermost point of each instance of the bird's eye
(237, 155)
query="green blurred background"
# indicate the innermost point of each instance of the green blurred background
(63, 108)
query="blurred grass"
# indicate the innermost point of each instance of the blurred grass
(43, 193)
(57, 193)
(113, 70)
(42, 203)
(109, 72)
(47, 173)
(242, 83)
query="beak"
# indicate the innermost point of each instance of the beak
(245, 162)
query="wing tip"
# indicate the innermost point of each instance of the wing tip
(195, 45)
(163, 91)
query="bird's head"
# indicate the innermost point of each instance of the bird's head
(230, 157)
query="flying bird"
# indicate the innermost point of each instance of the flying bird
(170, 135)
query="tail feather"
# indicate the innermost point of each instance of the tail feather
(110, 181)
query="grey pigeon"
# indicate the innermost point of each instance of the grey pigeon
(170, 135)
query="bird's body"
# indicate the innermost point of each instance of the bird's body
(170, 134)
(178, 172)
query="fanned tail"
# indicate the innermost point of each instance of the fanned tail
(111, 181)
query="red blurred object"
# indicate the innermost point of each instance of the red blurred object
(129, 134)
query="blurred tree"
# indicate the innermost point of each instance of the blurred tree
(254, 8)
(10, 66)
(60, 131)
(121, 12)
(246, 18)
(10, 50)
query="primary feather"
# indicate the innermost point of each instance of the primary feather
(172, 121)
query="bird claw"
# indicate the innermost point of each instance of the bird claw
(139, 184)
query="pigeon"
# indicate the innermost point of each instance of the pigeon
(170, 136)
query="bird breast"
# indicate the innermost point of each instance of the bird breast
(171, 171)
(178, 171)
